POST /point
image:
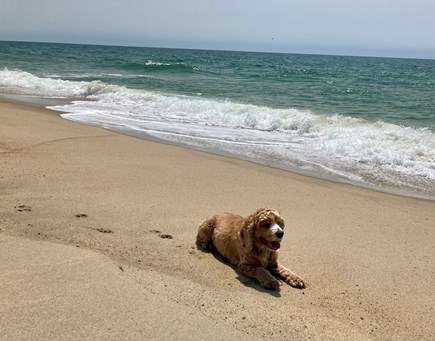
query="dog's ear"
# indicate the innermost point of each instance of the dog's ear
(247, 231)
(247, 234)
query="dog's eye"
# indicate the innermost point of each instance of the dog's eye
(265, 224)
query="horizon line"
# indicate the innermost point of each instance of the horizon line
(215, 49)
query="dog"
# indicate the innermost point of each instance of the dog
(251, 244)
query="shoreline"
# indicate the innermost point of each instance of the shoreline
(88, 193)
(44, 103)
(334, 178)
(293, 170)
(322, 173)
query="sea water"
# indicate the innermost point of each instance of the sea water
(365, 121)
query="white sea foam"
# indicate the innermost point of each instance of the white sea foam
(25, 83)
(376, 154)
(150, 62)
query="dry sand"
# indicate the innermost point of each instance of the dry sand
(97, 235)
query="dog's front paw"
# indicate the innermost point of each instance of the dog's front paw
(295, 281)
(271, 285)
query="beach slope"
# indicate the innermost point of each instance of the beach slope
(97, 234)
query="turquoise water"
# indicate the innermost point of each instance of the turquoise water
(367, 121)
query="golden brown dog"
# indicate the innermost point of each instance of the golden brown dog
(251, 244)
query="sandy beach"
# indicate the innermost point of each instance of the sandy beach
(97, 242)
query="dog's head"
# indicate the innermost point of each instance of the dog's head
(264, 229)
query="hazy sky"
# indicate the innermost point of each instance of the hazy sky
(402, 28)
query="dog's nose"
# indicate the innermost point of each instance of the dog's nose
(279, 234)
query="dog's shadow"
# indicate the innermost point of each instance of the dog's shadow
(246, 281)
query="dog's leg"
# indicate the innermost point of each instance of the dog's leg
(205, 234)
(286, 275)
(260, 274)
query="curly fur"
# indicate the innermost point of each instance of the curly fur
(251, 244)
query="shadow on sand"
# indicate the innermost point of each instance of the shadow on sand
(246, 281)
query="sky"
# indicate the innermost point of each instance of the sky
(390, 28)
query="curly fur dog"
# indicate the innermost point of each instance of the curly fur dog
(250, 243)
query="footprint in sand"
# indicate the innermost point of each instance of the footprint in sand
(81, 215)
(162, 235)
(104, 230)
(23, 208)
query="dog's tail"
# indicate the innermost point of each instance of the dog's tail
(204, 238)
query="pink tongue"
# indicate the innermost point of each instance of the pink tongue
(274, 245)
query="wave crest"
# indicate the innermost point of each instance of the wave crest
(151, 66)
(25, 83)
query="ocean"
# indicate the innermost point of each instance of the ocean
(359, 120)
